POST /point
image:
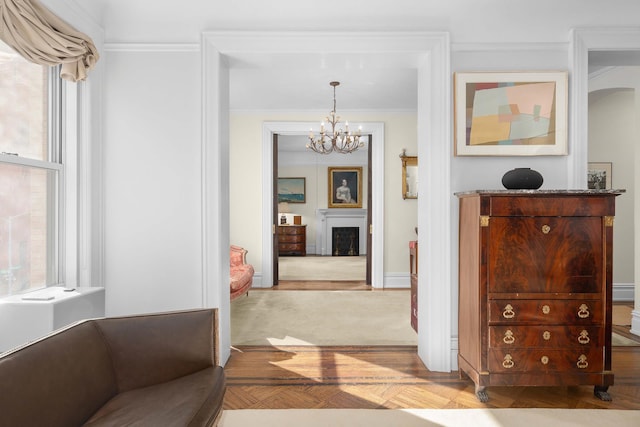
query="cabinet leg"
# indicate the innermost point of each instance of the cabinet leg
(601, 393)
(481, 394)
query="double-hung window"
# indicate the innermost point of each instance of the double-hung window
(30, 174)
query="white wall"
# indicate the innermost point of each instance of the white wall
(152, 179)
(612, 140)
(613, 137)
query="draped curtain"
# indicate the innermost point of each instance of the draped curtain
(42, 37)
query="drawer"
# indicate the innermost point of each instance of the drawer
(545, 255)
(570, 312)
(290, 238)
(550, 205)
(291, 230)
(511, 337)
(546, 360)
(290, 247)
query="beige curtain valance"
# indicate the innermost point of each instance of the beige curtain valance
(41, 37)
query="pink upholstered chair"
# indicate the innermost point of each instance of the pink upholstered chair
(241, 272)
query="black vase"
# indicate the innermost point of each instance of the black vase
(522, 179)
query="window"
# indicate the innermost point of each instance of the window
(30, 173)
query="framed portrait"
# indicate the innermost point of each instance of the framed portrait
(599, 176)
(345, 187)
(291, 190)
(510, 114)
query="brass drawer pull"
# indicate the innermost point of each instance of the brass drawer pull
(584, 337)
(508, 312)
(582, 362)
(546, 229)
(508, 362)
(583, 311)
(546, 309)
(544, 360)
(508, 337)
(546, 335)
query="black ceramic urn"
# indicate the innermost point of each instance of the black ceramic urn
(522, 179)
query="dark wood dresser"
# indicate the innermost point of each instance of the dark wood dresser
(292, 240)
(535, 277)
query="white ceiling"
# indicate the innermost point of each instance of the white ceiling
(385, 81)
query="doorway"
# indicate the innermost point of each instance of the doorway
(304, 225)
(429, 54)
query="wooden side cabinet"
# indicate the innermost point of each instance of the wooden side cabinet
(413, 271)
(535, 288)
(292, 240)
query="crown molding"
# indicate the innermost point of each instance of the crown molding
(152, 47)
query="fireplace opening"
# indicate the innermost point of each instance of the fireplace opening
(345, 241)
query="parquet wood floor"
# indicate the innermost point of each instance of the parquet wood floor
(393, 377)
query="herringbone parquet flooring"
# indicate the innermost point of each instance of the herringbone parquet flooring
(394, 377)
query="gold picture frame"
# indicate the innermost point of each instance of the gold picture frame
(510, 113)
(409, 176)
(345, 187)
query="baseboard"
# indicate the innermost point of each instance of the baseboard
(397, 281)
(623, 292)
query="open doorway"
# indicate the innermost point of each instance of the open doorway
(316, 246)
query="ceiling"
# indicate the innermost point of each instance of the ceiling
(383, 81)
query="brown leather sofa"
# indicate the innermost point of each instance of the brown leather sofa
(148, 370)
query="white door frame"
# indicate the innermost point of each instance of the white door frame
(434, 149)
(377, 187)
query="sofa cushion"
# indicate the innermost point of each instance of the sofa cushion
(240, 276)
(60, 380)
(192, 400)
(155, 348)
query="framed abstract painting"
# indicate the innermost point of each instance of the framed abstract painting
(510, 113)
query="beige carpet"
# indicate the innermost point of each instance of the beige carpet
(322, 268)
(332, 318)
(429, 417)
(322, 318)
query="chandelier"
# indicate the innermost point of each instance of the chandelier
(338, 140)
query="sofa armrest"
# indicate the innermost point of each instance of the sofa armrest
(237, 255)
(155, 348)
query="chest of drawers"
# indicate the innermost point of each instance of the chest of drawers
(292, 240)
(535, 274)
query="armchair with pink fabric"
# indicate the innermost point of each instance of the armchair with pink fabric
(241, 273)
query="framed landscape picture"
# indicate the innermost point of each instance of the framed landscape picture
(291, 190)
(345, 187)
(510, 114)
(599, 176)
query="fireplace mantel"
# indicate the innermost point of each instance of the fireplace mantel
(326, 219)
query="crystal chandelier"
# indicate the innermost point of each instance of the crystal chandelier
(338, 140)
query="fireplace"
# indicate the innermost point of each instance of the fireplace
(328, 219)
(345, 241)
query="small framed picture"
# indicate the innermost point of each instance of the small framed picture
(291, 190)
(599, 176)
(345, 187)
